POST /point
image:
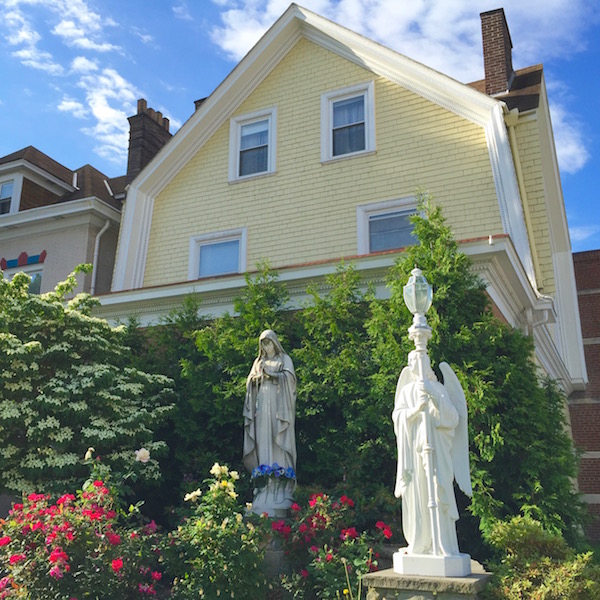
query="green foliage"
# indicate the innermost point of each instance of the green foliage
(216, 551)
(341, 428)
(539, 565)
(65, 385)
(77, 547)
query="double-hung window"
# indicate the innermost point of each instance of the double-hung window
(385, 225)
(252, 144)
(6, 193)
(219, 253)
(347, 122)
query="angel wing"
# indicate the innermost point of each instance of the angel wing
(460, 446)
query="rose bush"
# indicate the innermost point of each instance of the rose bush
(77, 548)
(327, 554)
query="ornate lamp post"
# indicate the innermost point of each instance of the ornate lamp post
(418, 296)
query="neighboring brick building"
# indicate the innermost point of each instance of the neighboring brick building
(53, 218)
(585, 406)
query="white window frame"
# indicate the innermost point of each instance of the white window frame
(365, 211)
(235, 135)
(31, 270)
(15, 201)
(367, 91)
(206, 239)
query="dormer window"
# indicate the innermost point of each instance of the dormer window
(6, 194)
(252, 144)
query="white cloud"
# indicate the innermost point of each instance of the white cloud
(73, 34)
(581, 234)
(444, 35)
(37, 59)
(81, 64)
(110, 99)
(74, 107)
(571, 144)
(146, 38)
(181, 11)
(21, 33)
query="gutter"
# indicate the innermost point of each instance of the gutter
(96, 253)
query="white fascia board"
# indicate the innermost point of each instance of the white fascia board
(507, 189)
(38, 175)
(498, 263)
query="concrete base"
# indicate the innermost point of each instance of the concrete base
(431, 566)
(389, 585)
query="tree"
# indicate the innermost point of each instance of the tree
(65, 385)
(522, 457)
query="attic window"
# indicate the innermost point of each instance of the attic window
(252, 144)
(6, 193)
(347, 122)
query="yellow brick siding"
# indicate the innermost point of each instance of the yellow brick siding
(306, 211)
(531, 163)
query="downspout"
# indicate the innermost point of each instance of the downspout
(511, 118)
(96, 253)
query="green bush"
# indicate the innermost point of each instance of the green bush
(66, 384)
(539, 565)
(216, 551)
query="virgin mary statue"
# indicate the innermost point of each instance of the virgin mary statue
(269, 432)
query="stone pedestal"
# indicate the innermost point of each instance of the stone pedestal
(431, 566)
(389, 585)
(274, 499)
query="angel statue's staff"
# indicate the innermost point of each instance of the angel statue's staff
(418, 296)
(430, 422)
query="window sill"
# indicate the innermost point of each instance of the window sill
(251, 177)
(348, 156)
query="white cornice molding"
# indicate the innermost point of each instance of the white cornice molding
(56, 216)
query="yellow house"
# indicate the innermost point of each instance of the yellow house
(311, 151)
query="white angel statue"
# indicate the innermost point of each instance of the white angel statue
(430, 422)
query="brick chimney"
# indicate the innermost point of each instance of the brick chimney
(148, 133)
(497, 52)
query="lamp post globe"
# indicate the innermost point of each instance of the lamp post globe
(418, 294)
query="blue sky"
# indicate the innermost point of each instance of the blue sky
(72, 70)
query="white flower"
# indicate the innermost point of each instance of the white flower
(89, 454)
(193, 496)
(142, 455)
(215, 470)
(234, 475)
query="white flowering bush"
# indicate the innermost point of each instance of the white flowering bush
(64, 384)
(218, 551)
